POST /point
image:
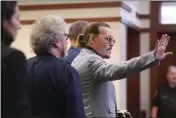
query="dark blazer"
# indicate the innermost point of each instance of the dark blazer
(54, 89)
(13, 83)
(72, 53)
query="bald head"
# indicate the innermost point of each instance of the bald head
(170, 68)
(171, 75)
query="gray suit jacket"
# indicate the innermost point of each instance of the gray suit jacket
(96, 78)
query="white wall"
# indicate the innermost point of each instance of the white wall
(22, 41)
(131, 17)
(131, 3)
(135, 5)
(142, 7)
(72, 13)
(145, 75)
(123, 41)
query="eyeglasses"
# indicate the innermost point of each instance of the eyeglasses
(67, 36)
(108, 39)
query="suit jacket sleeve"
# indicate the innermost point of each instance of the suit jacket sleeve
(103, 71)
(20, 85)
(74, 107)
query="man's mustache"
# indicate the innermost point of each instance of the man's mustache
(109, 49)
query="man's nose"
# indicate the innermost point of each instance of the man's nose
(111, 44)
(174, 75)
(19, 26)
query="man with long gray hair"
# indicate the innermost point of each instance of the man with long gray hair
(54, 88)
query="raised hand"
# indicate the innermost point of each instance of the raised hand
(161, 46)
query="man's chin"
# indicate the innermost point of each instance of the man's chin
(107, 57)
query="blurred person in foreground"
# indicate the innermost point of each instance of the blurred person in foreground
(164, 101)
(54, 89)
(14, 102)
(96, 75)
(75, 30)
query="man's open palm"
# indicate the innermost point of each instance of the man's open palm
(161, 46)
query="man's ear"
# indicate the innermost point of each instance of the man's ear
(91, 38)
(56, 44)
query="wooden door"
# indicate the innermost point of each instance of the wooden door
(133, 82)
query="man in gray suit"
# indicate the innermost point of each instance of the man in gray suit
(96, 75)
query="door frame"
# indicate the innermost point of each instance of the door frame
(130, 53)
(156, 27)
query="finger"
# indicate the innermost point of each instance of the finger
(168, 39)
(156, 47)
(165, 39)
(168, 53)
(157, 43)
(161, 40)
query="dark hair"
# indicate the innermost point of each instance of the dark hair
(7, 11)
(77, 28)
(92, 28)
